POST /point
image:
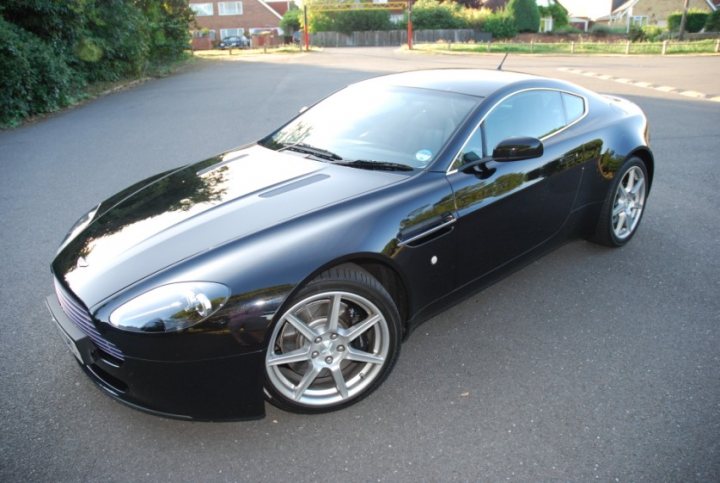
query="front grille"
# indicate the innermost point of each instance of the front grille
(77, 312)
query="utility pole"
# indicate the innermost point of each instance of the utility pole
(306, 34)
(683, 20)
(409, 25)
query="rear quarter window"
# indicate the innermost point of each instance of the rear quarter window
(574, 107)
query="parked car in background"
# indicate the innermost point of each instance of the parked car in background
(234, 42)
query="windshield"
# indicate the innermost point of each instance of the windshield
(401, 126)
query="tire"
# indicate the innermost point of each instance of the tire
(624, 206)
(335, 344)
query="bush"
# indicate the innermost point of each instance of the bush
(362, 20)
(501, 25)
(474, 18)
(567, 29)
(526, 15)
(350, 21)
(49, 49)
(695, 20)
(167, 28)
(713, 22)
(116, 42)
(431, 14)
(651, 33)
(34, 80)
(601, 30)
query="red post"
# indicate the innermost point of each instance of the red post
(410, 28)
(305, 30)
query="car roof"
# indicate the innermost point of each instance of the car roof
(474, 82)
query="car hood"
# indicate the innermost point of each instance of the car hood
(176, 215)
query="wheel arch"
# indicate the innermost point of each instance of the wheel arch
(381, 268)
(644, 154)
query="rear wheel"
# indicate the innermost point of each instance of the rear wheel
(335, 344)
(623, 209)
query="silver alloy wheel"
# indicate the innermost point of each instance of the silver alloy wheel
(628, 204)
(327, 349)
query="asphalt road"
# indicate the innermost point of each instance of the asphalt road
(590, 363)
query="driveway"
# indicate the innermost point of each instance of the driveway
(590, 363)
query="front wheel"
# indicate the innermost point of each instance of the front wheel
(335, 344)
(623, 209)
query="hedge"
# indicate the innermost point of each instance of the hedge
(695, 21)
(50, 50)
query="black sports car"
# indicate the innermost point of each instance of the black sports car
(291, 269)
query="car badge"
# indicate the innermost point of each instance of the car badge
(82, 262)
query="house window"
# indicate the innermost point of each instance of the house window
(230, 8)
(202, 9)
(639, 20)
(225, 33)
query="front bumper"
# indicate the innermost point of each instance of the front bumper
(228, 388)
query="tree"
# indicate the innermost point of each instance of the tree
(431, 14)
(558, 14)
(526, 15)
(683, 20)
(362, 20)
(291, 21)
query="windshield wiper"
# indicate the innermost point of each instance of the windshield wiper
(378, 165)
(307, 149)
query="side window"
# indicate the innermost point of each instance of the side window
(536, 113)
(574, 107)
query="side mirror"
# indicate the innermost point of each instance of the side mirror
(517, 149)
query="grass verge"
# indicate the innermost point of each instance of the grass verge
(231, 54)
(633, 48)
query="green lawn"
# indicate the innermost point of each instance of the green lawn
(694, 47)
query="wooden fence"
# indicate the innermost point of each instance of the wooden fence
(389, 38)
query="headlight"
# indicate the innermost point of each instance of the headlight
(171, 307)
(79, 226)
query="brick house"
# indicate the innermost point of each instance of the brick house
(651, 12)
(216, 20)
(628, 12)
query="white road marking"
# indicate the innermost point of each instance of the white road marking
(695, 94)
(643, 84)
